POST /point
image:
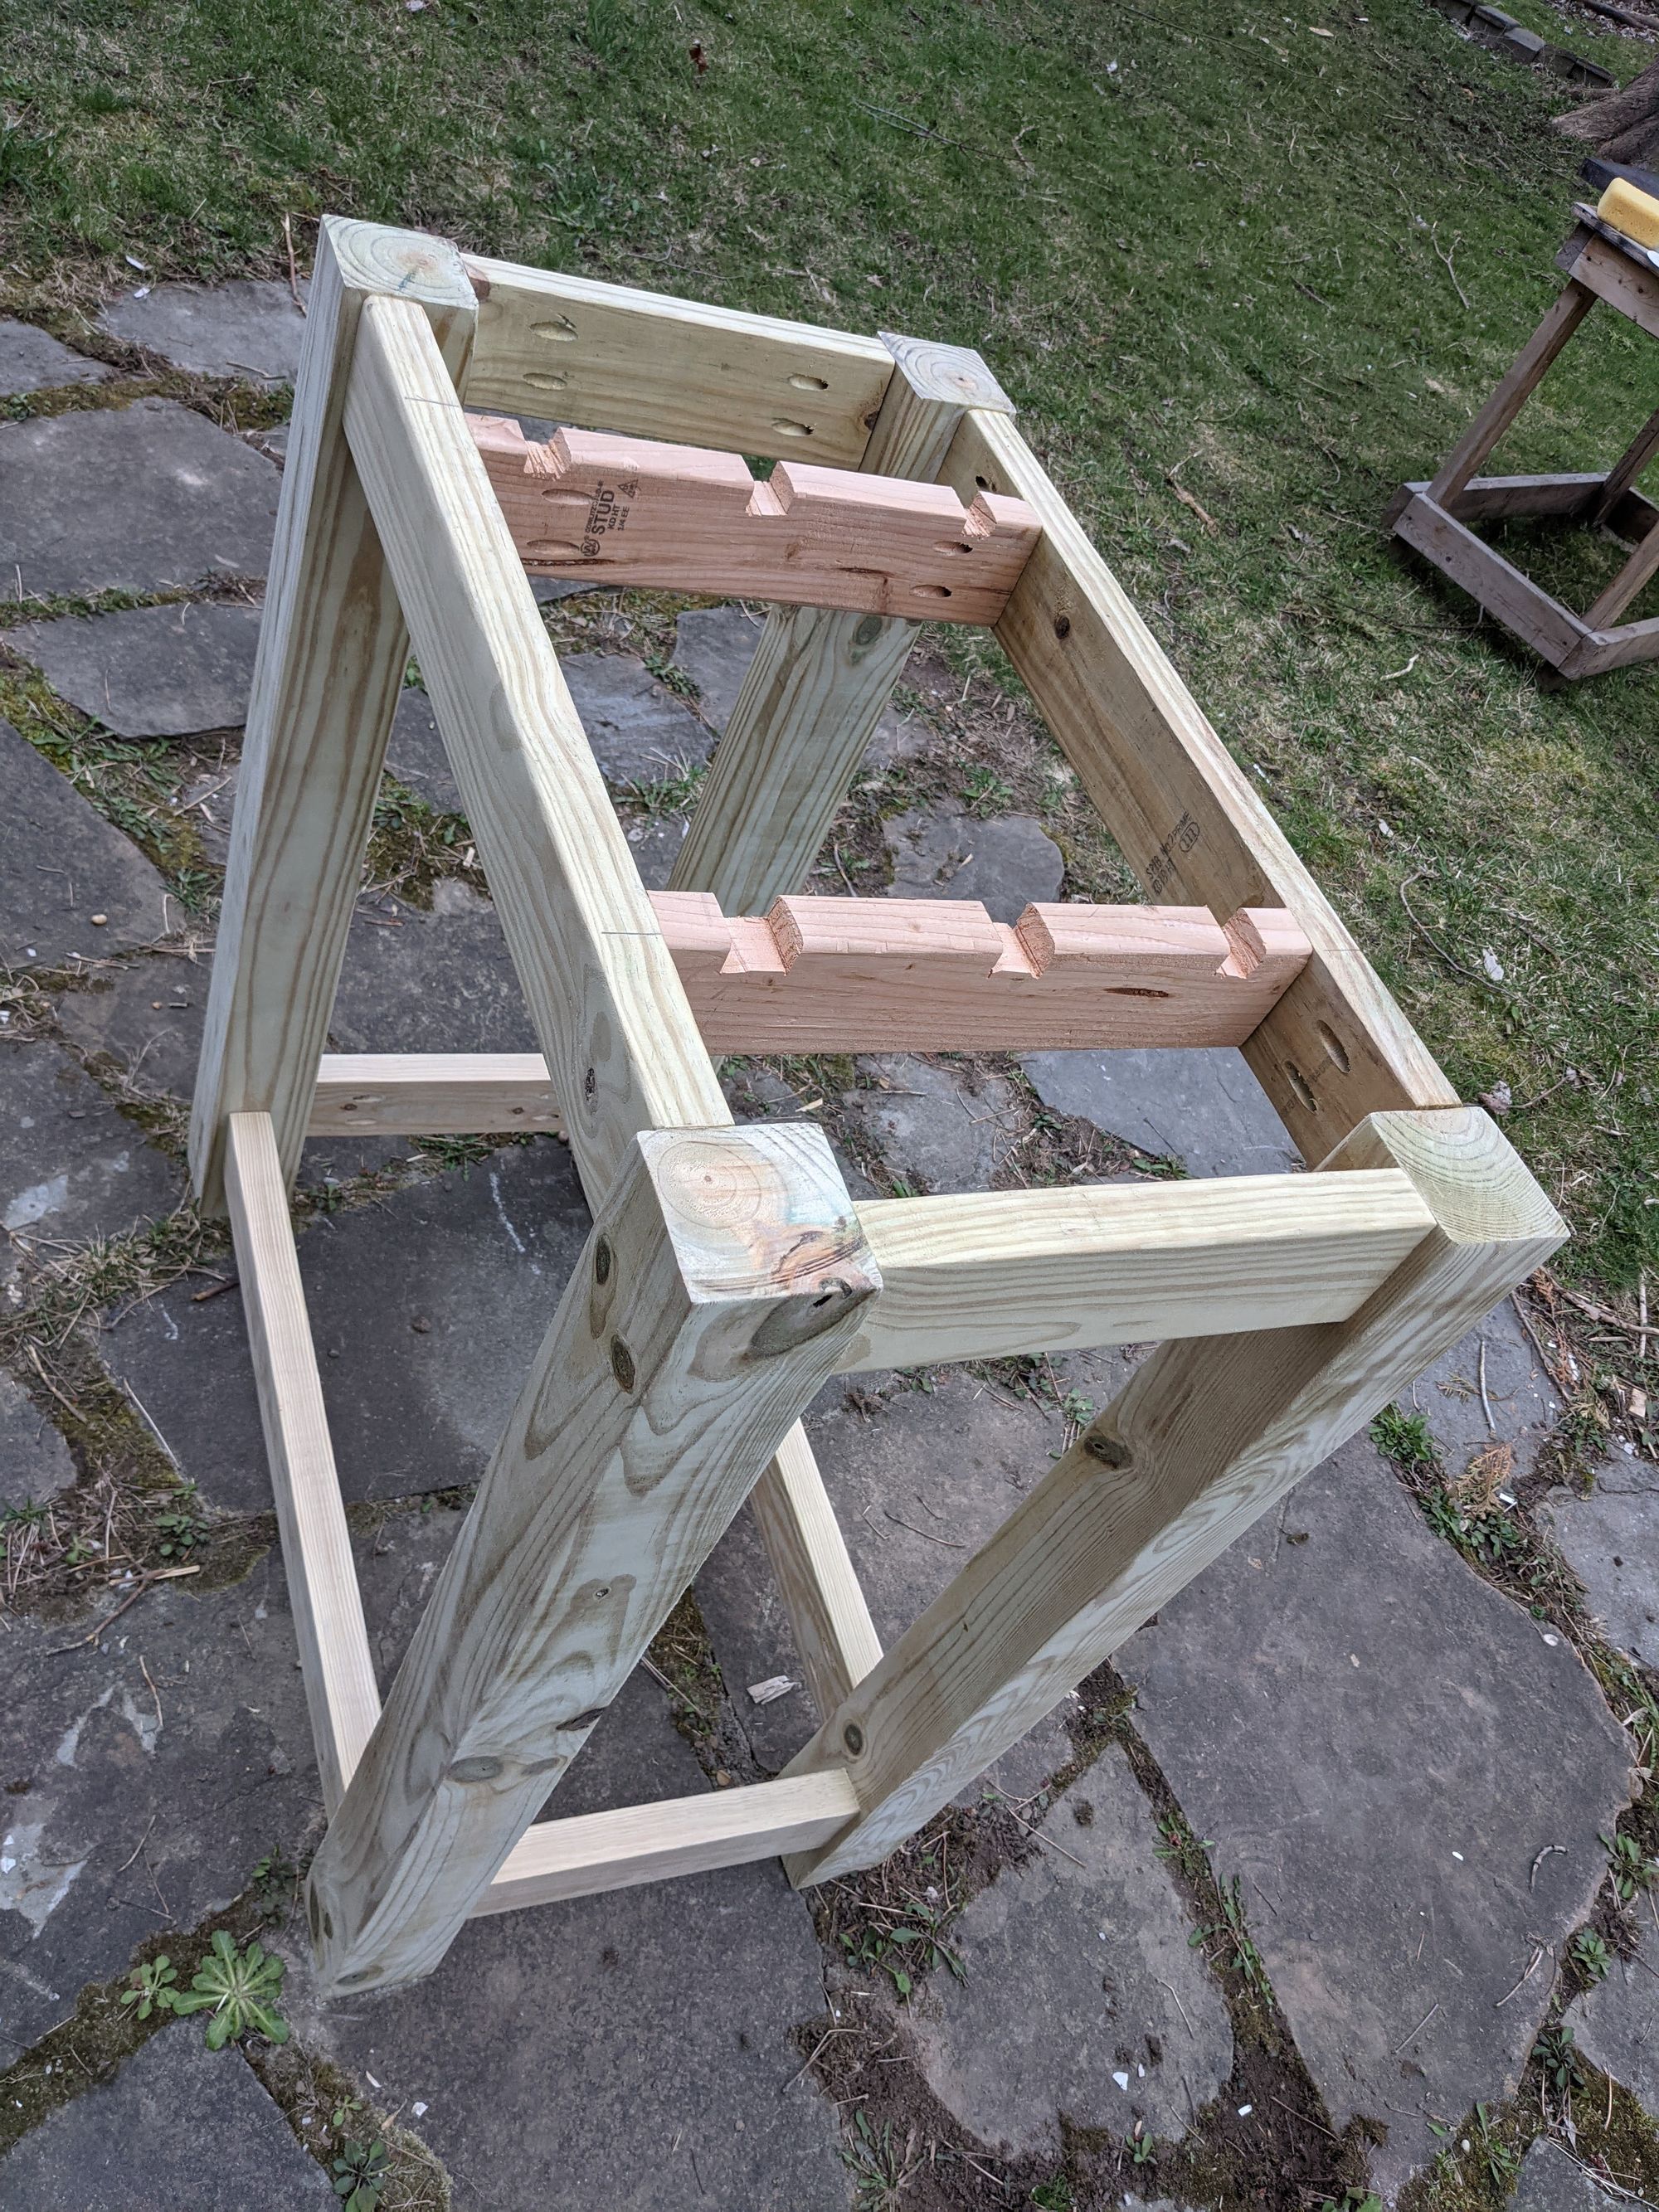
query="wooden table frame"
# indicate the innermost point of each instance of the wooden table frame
(1600, 263)
(728, 1273)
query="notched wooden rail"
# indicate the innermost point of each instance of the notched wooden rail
(631, 511)
(828, 975)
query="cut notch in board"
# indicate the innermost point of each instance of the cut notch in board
(592, 505)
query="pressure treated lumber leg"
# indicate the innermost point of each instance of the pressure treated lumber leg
(713, 1295)
(1523, 378)
(819, 684)
(820, 680)
(1208, 1434)
(332, 653)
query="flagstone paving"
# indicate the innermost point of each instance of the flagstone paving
(1202, 1106)
(32, 360)
(1616, 2023)
(426, 1309)
(1609, 1537)
(1005, 865)
(71, 1165)
(61, 865)
(168, 672)
(1380, 1745)
(189, 2127)
(1083, 1998)
(35, 1461)
(249, 328)
(149, 497)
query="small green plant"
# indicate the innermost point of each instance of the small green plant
(361, 2174)
(668, 794)
(179, 1530)
(151, 1987)
(1353, 2200)
(987, 793)
(1141, 2146)
(1403, 1438)
(240, 1989)
(1054, 2196)
(1590, 1953)
(1500, 2159)
(1246, 1959)
(1555, 2055)
(878, 2168)
(1629, 1868)
(916, 1941)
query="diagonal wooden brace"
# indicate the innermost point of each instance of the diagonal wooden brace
(1206, 1436)
(720, 1283)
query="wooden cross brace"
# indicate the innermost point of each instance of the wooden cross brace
(728, 1273)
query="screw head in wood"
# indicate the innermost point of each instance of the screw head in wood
(602, 1260)
(1062, 625)
(590, 1084)
(621, 1362)
(853, 1736)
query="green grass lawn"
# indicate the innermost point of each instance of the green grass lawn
(1194, 234)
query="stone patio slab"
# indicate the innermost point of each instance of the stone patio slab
(1521, 1394)
(441, 981)
(1202, 1106)
(1381, 1745)
(126, 1825)
(1616, 2023)
(628, 2052)
(919, 1479)
(149, 497)
(1610, 1540)
(61, 863)
(1006, 866)
(169, 671)
(147, 1016)
(414, 753)
(35, 1461)
(426, 1309)
(1552, 2180)
(248, 328)
(194, 2124)
(71, 1165)
(32, 360)
(639, 731)
(928, 1128)
(1083, 1998)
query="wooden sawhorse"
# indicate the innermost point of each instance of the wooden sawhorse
(1600, 263)
(728, 1273)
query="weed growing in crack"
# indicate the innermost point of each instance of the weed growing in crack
(239, 1987)
(912, 1939)
(880, 2167)
(361, 2174)
(1558, 2061)
(151, 1988)
(1404, 1438)
(1629, 1868)
(1245, 1958)
(1590, 1953)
